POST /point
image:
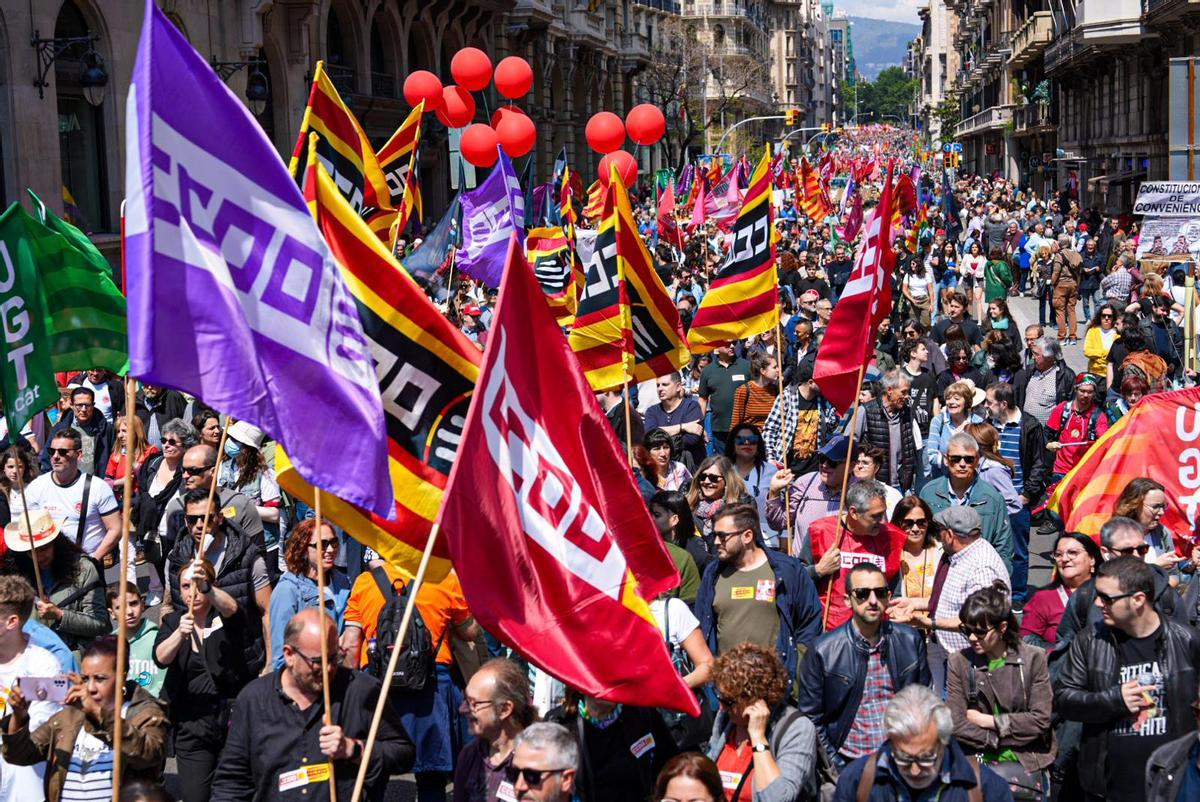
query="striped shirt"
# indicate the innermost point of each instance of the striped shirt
(89, 774)
(751, 404)
(976, 566)
(1010, 446)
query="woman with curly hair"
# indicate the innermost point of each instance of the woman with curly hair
(297, 588)
(715, 486)
(757, 737)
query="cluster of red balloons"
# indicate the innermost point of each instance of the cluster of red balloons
(605, 132)
(454, 105)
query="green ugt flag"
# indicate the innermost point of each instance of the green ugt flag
(87, 314)
(26, 374)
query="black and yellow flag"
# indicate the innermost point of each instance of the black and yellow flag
(557, 270)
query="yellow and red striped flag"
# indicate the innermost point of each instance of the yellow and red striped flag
(743, 299)
(398, 161)
(595, 201)
(558, 272)
(1157, 440)
(813, 201)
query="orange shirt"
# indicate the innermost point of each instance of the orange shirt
(439, 604)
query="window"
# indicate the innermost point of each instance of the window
(81, 147)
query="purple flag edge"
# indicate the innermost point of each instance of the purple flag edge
(488, 264)
(248, 396)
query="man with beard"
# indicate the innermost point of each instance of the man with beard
(497, 709)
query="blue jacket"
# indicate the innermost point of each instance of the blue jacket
(957, 779)
(41, 635)
(295, 593)
(988, 502)
(796, 600)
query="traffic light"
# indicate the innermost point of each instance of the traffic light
(789, 118)
(825, 128)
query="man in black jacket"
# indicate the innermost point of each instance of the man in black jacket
(1130, 681)
(1029, 473)
(97, 434)
(155, 406)
(852, 672)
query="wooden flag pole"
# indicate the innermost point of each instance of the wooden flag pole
(386, 681)
(628, 424)
(37, 572)
(787, 507)
(841, 529)
(328, 714)
(122, 627)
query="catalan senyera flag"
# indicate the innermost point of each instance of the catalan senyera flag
(427, 372)
(659, 346)
(812, 200)
(595, 200)
(557, 270)
(342, 148)
(600, 336)
(397, 161)
(566, 202)
(1156, 439)
(743, 298)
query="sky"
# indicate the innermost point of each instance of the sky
(897, 10)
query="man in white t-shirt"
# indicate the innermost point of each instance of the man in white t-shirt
(19, 658)
(61, 493)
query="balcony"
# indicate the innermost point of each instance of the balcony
(1110, 22)
(383, 85)
(342, 79)
(734, 49)
(1032, 118)
(669, 6)
(1163, 10)
(987, 120)
(1031, 38)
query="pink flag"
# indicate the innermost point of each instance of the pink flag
(698, 209)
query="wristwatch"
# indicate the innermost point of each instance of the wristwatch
(761, 748)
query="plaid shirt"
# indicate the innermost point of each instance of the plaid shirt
(1117, 285)
(977, 566)
(867, 733)
(779, 430)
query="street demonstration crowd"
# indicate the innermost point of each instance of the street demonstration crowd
(900, 653)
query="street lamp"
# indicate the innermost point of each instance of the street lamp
(258, 87)
(93, 79)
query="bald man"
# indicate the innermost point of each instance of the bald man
(279, 747)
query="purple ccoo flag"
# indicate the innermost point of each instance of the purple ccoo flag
(233, 294)
(491, 213)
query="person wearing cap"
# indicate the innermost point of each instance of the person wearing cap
(1074, 425)
(968, 563)
(244, 469)
(961, 486)
(810, 497)
(472, 325)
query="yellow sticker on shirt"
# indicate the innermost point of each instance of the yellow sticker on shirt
(230, 513)
(741, 594)
(306, 775)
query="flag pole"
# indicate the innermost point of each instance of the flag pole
(787, 507)
(122, 627)
(386, 681)
(841, 529)
(328, 714)
(37, 572)
(628, 424)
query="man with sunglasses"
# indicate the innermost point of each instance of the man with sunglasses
(1130, 680)
(850, 674)
(961, 486)
(279, 747)
(544, 763)
(1119, 537)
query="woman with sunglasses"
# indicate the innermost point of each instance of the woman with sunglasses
(867, 462)
(206, 669)
(159, 480)
(757, 738)
(715, 485)
(297, 588)
(1099, 338)
(1075, 559)
(922, 549)
(748, 452)
(1145, 500)
(671, 474)
(999, 692)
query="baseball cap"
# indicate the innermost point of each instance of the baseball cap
(959, 519)
(836, 448)
(473, 310)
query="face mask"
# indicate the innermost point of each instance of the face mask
(232, 448)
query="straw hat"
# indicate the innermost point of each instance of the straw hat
(247, 434)
(45, 529)
(978, 394)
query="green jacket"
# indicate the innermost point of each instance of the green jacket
(998, 278)
(986, 501)
(689, 574)
(142, 668)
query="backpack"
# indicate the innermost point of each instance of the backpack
(1065, 418)
(416, 664)
(1150, 368)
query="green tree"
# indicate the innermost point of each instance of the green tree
(886, 99)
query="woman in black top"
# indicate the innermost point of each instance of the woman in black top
(203, 650)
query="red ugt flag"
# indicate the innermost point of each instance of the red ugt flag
(848, 341)
(552, 542)
(668, 229)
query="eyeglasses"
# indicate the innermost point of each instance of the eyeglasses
(1129, 551)
(957, 458)
(1108, 601)
(746, 439)
(192, 520)
(979, 632)
(474, 705)
(915, 523)
(1067, 555)
(862, 594)
(83, 406)
(61, 452)
(533, 777)
(326, 545)
(924, 761)
(726, 701)
(711, 478)
(192, 470)
(1156, 507)
(335, 657)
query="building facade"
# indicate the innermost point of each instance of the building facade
(939, 64)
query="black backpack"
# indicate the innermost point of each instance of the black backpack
(418, 656)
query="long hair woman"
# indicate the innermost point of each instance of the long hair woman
(20, 467)
(747, 450)
(1145, 500)
(674, 508)
(715, 486)
(297, 588)
(922, 551)
(243, 468)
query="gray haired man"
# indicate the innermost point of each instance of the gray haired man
(544, 763)
(920, 760)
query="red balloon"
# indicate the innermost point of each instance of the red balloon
(471, 68)
(626, 167)
(504, 112)
(423, 85)
(478, 145)
(517, 134)
(514, 77)
(458, 107)
(605, 132)
(645, 124)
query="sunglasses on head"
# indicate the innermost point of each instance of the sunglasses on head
(1129, 551)
(862, 594)
(533, 777)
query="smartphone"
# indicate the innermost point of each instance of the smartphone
(45, 689)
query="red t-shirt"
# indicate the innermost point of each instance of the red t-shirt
(1074, 430)
(883, 549)
(733, 762)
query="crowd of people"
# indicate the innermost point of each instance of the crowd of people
(855, 614)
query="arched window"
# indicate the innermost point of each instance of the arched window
(383, 80)
(81, 145)
(338, 59)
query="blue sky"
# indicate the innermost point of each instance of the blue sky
(898, 10)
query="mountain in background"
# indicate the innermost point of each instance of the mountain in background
(879, 44)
